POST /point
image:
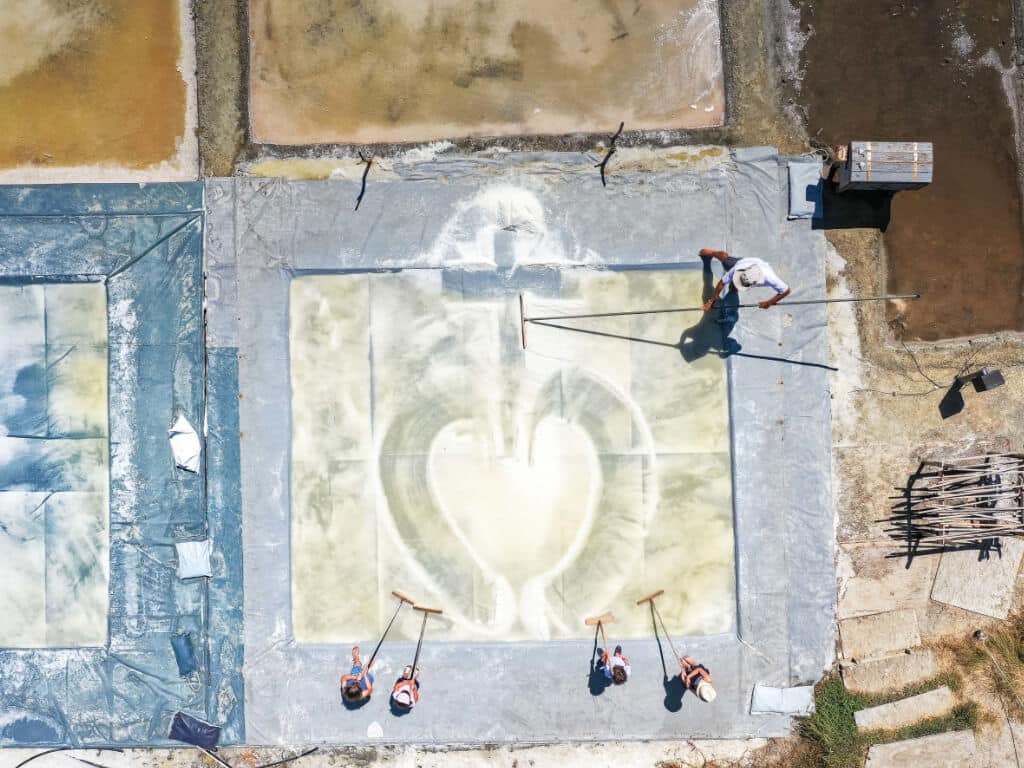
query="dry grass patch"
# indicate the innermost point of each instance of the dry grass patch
(997, 662)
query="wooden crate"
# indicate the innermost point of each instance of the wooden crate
(892, 165)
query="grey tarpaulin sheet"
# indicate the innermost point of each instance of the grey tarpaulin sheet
(262, 233)
(143, 243)
(805, 188)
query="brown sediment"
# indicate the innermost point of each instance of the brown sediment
(222, 67)
(111, 93)
(913, 71)
(703, 154)
(400, 70)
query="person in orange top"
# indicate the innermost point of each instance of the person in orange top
(357, 685)
(697, 678)
(406, 692)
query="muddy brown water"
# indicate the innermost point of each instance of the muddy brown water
(888, 70)
(407, 70)
(89, 82)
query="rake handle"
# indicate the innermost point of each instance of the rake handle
(798, 302)
(419, 644)
(401, 602)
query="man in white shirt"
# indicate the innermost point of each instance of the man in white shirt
(743, 274)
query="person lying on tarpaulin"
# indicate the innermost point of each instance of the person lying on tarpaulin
(743, 274)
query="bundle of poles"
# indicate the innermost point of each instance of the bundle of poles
(966, 501)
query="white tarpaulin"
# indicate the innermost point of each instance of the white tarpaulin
(782, 701)
(185, 445)
(194, 558)
(805, 188)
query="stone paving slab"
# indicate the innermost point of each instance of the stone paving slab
(944, 750)
(870, 581)
(912, 709)
(890, 674)
(982, 586)
(879, 634)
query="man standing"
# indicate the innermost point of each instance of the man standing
(743, 274)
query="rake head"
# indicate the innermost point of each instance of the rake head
(650, 597)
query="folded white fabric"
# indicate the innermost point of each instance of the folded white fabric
(782, 701)
(185, 445)
(805, 188)
(194, 558)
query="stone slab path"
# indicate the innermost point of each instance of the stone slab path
(954, 749)
(982, 586)
(890, 674)
(879, 634)
(912, 709)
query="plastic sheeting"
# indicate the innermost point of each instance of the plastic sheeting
(768, 700)
(184, 655)
(185, 445)
(191, 730)
(543, 215)
(143, 246)
(194, 558)
(805, 194)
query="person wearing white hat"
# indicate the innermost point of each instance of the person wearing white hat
(743, 274)
(406, 692)
(697, 678)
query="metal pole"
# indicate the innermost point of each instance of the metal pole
(419, 644)
(387, 629)
(738, 306)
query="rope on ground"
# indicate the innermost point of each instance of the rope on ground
(665, 630)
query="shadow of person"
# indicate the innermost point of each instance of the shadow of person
(674, 686)
(675, 689)
(354, 705)
(711, 333)
(953, 401)
(597, 680)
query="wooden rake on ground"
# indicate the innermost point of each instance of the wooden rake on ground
(599, 622)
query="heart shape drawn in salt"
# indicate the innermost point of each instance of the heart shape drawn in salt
(507, 522)
(522, 506)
